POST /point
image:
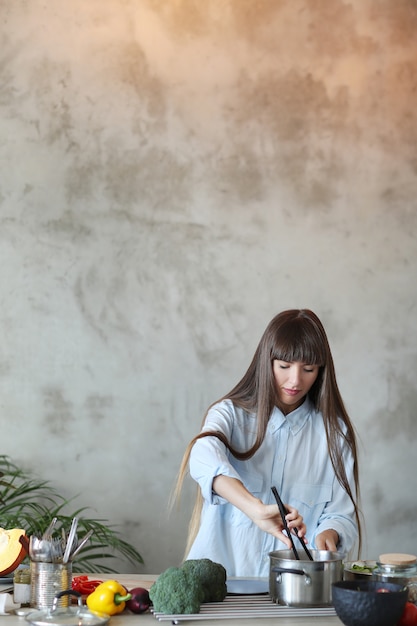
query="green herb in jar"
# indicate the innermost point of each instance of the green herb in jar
(22, 576)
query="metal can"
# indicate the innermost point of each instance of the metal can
(48, 579)
(400, 569)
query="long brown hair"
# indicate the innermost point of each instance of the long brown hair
(293, 335)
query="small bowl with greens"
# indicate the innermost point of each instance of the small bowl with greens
(358, 570)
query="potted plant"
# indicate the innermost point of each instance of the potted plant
(30, 503)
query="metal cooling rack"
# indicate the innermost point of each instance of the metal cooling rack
(241, 607)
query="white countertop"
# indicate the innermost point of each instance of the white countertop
(147, 619)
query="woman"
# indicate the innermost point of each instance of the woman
(284, 425)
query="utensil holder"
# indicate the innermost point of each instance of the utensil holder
(48, 579)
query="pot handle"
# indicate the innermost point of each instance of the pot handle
(300, 572)
(67, 592)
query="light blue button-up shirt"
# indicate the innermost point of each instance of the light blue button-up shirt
(293, 457)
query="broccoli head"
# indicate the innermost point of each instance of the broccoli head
(212, 577)
(176, 591)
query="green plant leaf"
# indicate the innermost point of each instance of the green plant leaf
(28, 503)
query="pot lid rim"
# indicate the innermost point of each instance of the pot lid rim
(46, 617)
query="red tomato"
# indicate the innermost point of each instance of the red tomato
(409, 617)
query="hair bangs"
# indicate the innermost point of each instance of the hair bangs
(296, 342)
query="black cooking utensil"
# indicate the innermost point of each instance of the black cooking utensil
(283, 510)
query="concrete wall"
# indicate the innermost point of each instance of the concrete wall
(172, 174)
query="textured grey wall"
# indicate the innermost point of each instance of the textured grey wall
(173, 173)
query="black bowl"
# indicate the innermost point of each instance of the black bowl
(361, 603)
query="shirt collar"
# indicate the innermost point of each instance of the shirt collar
(294, 420)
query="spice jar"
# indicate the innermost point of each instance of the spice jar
(400, 569)
(21, 586)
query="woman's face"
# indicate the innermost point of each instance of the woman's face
(293, 381)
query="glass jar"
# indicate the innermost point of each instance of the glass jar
(400, 569)
(21, 586)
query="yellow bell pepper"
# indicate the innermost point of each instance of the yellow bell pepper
(109, 597)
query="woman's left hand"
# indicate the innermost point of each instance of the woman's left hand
(327, 540)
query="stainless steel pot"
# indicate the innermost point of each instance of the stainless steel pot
(304, 583)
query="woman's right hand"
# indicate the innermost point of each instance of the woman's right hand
(266, 516)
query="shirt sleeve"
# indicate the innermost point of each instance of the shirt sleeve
(209, 456)
(339, 512)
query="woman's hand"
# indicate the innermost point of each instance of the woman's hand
(266, 516)
(327, 540)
